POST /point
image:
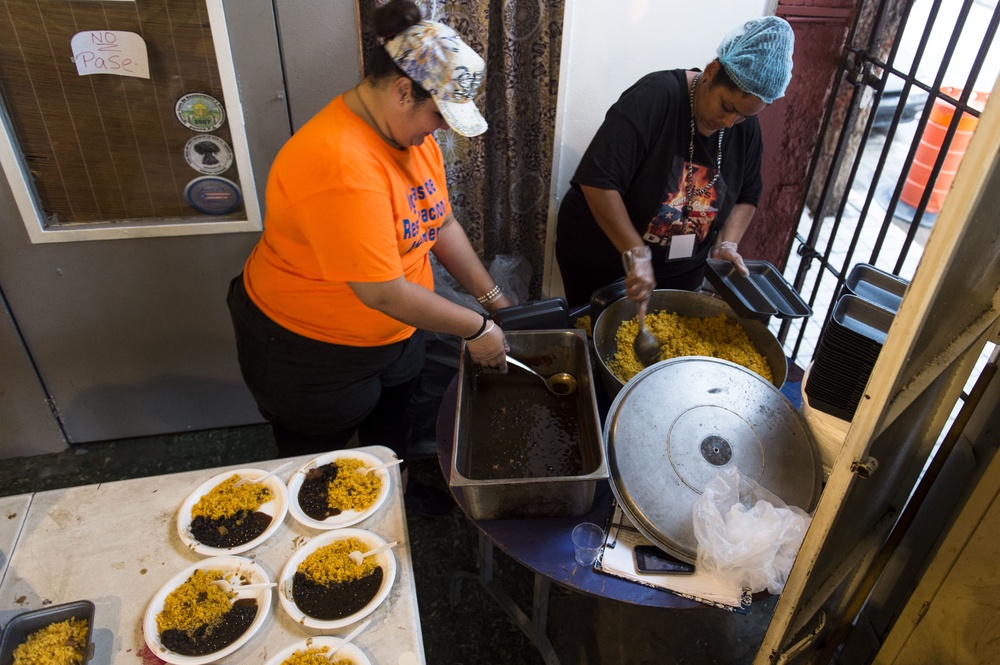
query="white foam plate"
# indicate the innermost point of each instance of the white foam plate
(277, 508)
(349, 652)
(229, 565)
(348, 517)
(384, 558)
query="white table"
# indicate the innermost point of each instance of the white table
(116, 544)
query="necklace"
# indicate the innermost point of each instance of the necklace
(371, 121)
(689, 191)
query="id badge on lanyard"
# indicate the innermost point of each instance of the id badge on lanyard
(681, 246)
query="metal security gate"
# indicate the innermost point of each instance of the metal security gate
(914, 78)
(894, 489)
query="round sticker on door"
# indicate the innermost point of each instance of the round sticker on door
(200, 112)
(213, 195)
(208, 154)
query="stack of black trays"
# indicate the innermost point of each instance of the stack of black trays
(852, 339)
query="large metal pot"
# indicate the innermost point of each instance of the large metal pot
(685, 303)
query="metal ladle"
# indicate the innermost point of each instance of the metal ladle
(558, 384)
(645, 346)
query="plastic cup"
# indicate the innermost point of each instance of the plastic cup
(587, 540)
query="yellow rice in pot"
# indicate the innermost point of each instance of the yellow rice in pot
(714, 336)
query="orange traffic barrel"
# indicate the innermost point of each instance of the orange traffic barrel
(930, 146)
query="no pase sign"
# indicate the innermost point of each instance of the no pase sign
(110, 52)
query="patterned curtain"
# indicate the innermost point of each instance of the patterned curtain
(499, 182)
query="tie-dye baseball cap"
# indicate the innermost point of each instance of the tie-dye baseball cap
(434, 56)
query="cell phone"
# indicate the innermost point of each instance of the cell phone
(651, 560)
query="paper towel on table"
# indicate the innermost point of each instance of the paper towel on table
(617, 558)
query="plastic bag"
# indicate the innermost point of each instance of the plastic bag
(746, 535)
(511, 273)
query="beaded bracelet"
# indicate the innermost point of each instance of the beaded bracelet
(490, 295)
(479, 332)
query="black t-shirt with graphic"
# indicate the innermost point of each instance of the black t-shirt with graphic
(641, 150)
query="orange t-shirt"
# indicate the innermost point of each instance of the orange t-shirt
(343, 206)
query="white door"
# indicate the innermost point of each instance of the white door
(129, 201)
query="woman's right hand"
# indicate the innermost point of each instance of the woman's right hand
(639, 278)
(490, 349)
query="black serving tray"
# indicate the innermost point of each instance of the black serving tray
(862, 320)
(18, 629)
(547, 314)
(761, 295)
(604, 296)
(876, 286)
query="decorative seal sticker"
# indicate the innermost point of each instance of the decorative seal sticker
(200, 112)
(208, 154)
(213, 195)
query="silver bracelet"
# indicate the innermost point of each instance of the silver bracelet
(490, 295)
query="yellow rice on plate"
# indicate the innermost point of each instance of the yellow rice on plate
(713, 336)
(195, 603)
(351, 490)
(314, 656)
(331, 564)
(226, 499)
(61, 643)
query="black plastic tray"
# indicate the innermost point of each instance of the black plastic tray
(862, 319)
(876, 286)
(761, 295)
(548, 314)
(18, 629)
(604, 296)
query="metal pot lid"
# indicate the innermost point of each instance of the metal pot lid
(679, 422)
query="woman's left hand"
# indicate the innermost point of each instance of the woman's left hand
(499, 303)
(727, 252)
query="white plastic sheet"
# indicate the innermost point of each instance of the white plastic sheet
(746, 535)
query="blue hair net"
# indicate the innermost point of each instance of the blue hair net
(758, 56)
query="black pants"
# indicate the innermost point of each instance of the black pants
(316, 395)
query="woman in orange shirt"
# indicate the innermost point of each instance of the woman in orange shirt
(330, 305)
